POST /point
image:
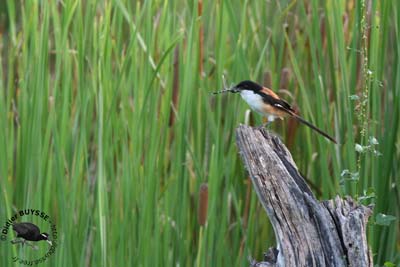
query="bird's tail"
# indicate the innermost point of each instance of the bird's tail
(300, 119)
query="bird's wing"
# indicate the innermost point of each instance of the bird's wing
(269, 97)
(20, 229)
(268, 91)
(24, 228)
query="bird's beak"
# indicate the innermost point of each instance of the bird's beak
(51, 243)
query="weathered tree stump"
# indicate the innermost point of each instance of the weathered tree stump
(308, 232)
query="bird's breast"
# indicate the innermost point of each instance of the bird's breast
(254, 100)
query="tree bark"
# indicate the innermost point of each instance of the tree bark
(308, 232)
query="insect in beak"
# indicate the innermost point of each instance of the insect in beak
(232, 90)
(227, 88)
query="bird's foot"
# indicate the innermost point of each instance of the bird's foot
(267, 124)
(264, 125)
(24, 242)
(31, 245)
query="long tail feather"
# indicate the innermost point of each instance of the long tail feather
(300, 119)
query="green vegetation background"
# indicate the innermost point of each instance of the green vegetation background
(108, 125)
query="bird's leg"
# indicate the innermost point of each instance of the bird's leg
(270, 119)
(16, 241)
(263, 126)
(31, 245)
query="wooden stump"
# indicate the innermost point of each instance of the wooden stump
(308, 232)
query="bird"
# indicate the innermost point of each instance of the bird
(267, 103)
(29, 232)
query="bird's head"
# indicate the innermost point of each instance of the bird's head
(246, 85)
(241, 87)
(45, 236)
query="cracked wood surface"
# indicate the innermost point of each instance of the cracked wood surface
(308, 232)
